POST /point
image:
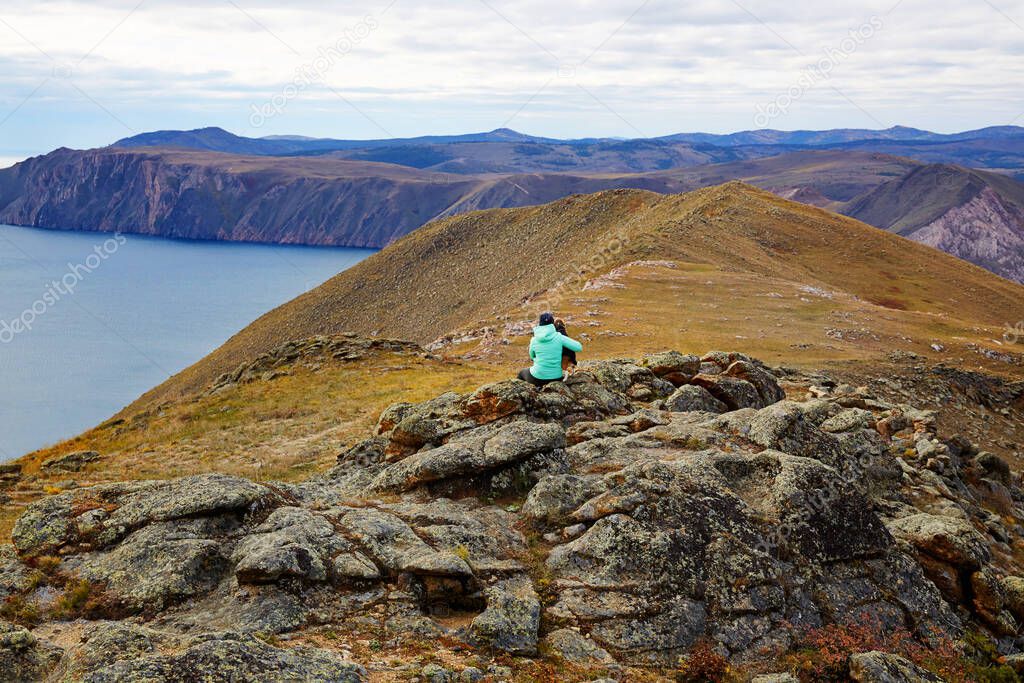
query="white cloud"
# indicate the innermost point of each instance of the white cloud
(576, 67)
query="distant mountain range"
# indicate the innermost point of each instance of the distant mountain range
(954, 192)
(997, 148)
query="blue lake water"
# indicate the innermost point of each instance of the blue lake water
(90, 321)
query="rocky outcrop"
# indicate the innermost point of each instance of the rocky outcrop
(599, 520)
(310, 354)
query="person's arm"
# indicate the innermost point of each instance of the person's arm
(533, 351)
(571, 344)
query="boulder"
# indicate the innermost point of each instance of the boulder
(23, 657)
(231, 657)
(69, 462)
(949, 539)
(511, 444)
(763, 381)
(672, 366)
(693, 398)
(1013, 589)
(293, 543)
(511, 621)
(734, 393)
(158, 565)
(575, 648)
(555, 497)
(883, 667)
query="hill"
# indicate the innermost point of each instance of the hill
(976, 216)
(500, 260)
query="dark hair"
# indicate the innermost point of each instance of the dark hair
(547, 319)
(560, 325)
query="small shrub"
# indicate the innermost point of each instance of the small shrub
(823, 653)
(18, 610)
(702, 665)
(72, 603)
(46, 563)
(87, 600)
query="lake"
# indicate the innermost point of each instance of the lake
(90, 321)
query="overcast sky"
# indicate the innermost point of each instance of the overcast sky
(80, 73)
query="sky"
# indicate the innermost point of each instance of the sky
(84, 73)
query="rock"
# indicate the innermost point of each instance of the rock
(574, 648)
(764, 382)
(23, 657)
(10, 474)
(393, 545)
(1013, 589)
(511, 444)
(158, 565)
(849, 420)
(990, 601)
(15, 577)
(231, 657)
(69, 462)
(555, 497)
(292, 543)
(994, 467)
(433, 673)
(107, 642)
(470, 674)
(511, 621)
(882, 667)
(694, 398)
(734, 393)
(672, 366)
(949, 539)
(775, 678)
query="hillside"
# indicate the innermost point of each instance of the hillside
(490, 258)
(976, 216)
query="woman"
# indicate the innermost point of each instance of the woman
(546, 352)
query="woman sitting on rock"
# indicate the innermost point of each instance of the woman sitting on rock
(546, 352)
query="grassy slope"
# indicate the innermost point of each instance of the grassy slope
(482, 265)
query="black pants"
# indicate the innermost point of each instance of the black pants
(527, 376)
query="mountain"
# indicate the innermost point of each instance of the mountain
(976, 216)
(996, 148)
(839, 499)
(220, 140)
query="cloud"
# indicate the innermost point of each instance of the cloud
(572, 68)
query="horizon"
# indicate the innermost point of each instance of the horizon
(84, 73)
(9, 160)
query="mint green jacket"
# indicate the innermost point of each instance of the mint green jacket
(546, 351)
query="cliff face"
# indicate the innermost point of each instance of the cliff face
(194, 195)
(986, 230)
